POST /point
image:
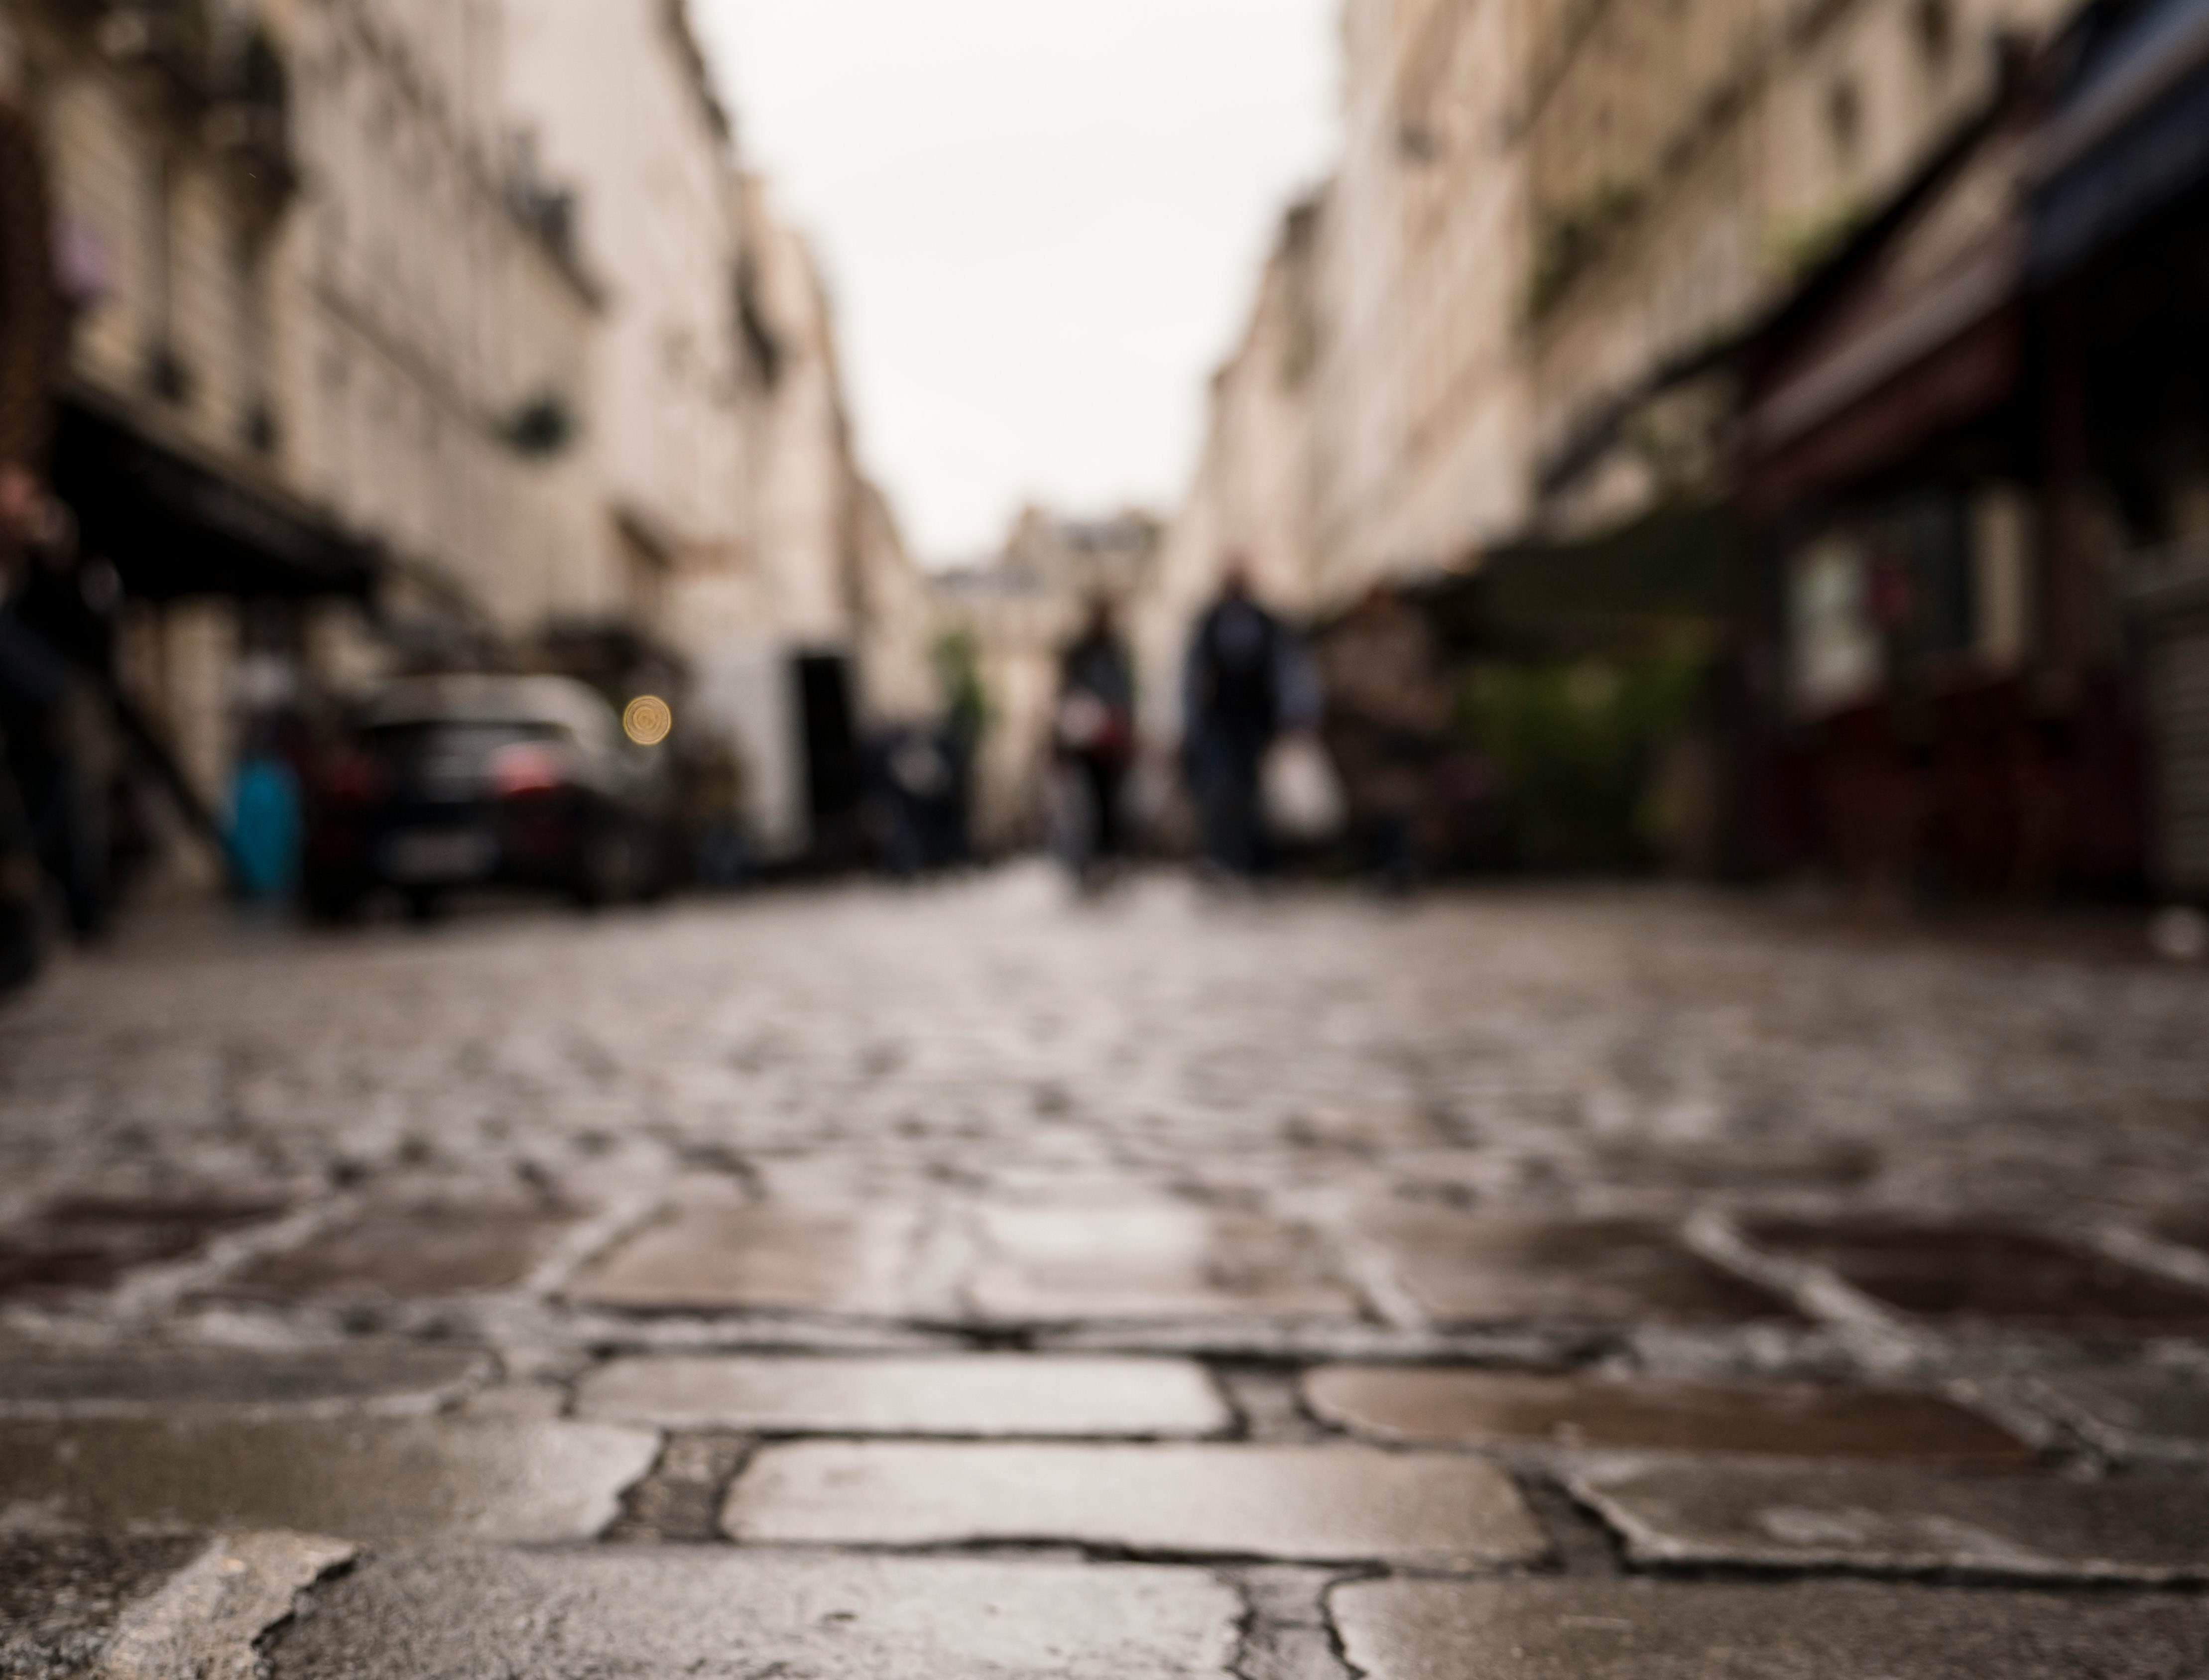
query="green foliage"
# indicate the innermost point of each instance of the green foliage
(957, 658)
(1574, 744)
(1802, 247)
(1570, 239)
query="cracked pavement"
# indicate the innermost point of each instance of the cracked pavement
(967, 1281)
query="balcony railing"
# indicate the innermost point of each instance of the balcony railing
(177, 36)
(229, 77)
(250, 115)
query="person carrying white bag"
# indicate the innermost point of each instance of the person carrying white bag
(1304, 800)
(1251, 702)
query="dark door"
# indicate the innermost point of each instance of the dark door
(835, 780)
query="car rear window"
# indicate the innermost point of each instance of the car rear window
(413, 742)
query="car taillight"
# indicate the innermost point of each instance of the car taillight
(528, 768)
(352, 778)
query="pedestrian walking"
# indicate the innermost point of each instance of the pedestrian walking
(1095, 731)
(1243, 683)
(30, 347)
(268, 826)
(1386, 706)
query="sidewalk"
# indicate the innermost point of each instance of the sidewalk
(963, 1282)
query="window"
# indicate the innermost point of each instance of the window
(1936, 34)
(1834, 650)
(250, 303)
(165, 371)
(1844, 121)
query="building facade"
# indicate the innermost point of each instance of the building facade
(434, 324)
(1422, 384)
(1686, 168)
(450, 333)
(168, 137)
(614, 100)
(745, 530)
(1507, 316)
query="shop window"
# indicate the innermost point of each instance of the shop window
(1890, 594)
(1919, 589)
(2003, 542)
(1834, 646)
(1929, 538)
(1935, 29)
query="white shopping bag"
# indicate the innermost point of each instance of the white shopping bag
(1304, 804)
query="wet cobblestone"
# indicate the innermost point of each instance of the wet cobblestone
(1624, 1143)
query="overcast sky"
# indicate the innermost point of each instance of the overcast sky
(1041, 220)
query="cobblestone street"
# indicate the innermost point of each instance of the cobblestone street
(966, 1282)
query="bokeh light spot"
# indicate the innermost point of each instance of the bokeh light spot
(649, 721)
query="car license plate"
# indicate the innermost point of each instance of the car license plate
(452, 855)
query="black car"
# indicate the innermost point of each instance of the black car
(465, 782)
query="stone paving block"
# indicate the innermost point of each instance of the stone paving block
(769, 1259)
(2144, 1413)
(207, 1619)
(1773, 1165)
(951, 1394)
(1997, 1274)
(359, 1479)
(673, 1615)
(62, 1596)
(1893, 1520)
(123, 1381)
(1163, 1259)
(1297, 1504)
(2188, 1230)
(679, 1503)
(203, 1208)
(1480, 1408)
(90, 1242)
(1825, 1630)
(1504, 1268)
(408, 1253)
(1369, 1131)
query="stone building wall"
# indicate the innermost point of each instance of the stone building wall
(617, 104)
(478, 287)
(430, 314)
(727, 457)
(167, 236)
(166, 230)
(896, 620)
(1686, 166)
(826, 568)
(1422, 387)
(803, 478)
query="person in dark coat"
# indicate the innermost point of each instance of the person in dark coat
(1096, 730)
(1240, 690)
(30, 348)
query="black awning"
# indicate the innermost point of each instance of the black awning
(2131, 137)
(1621, 589)
(174, 525)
